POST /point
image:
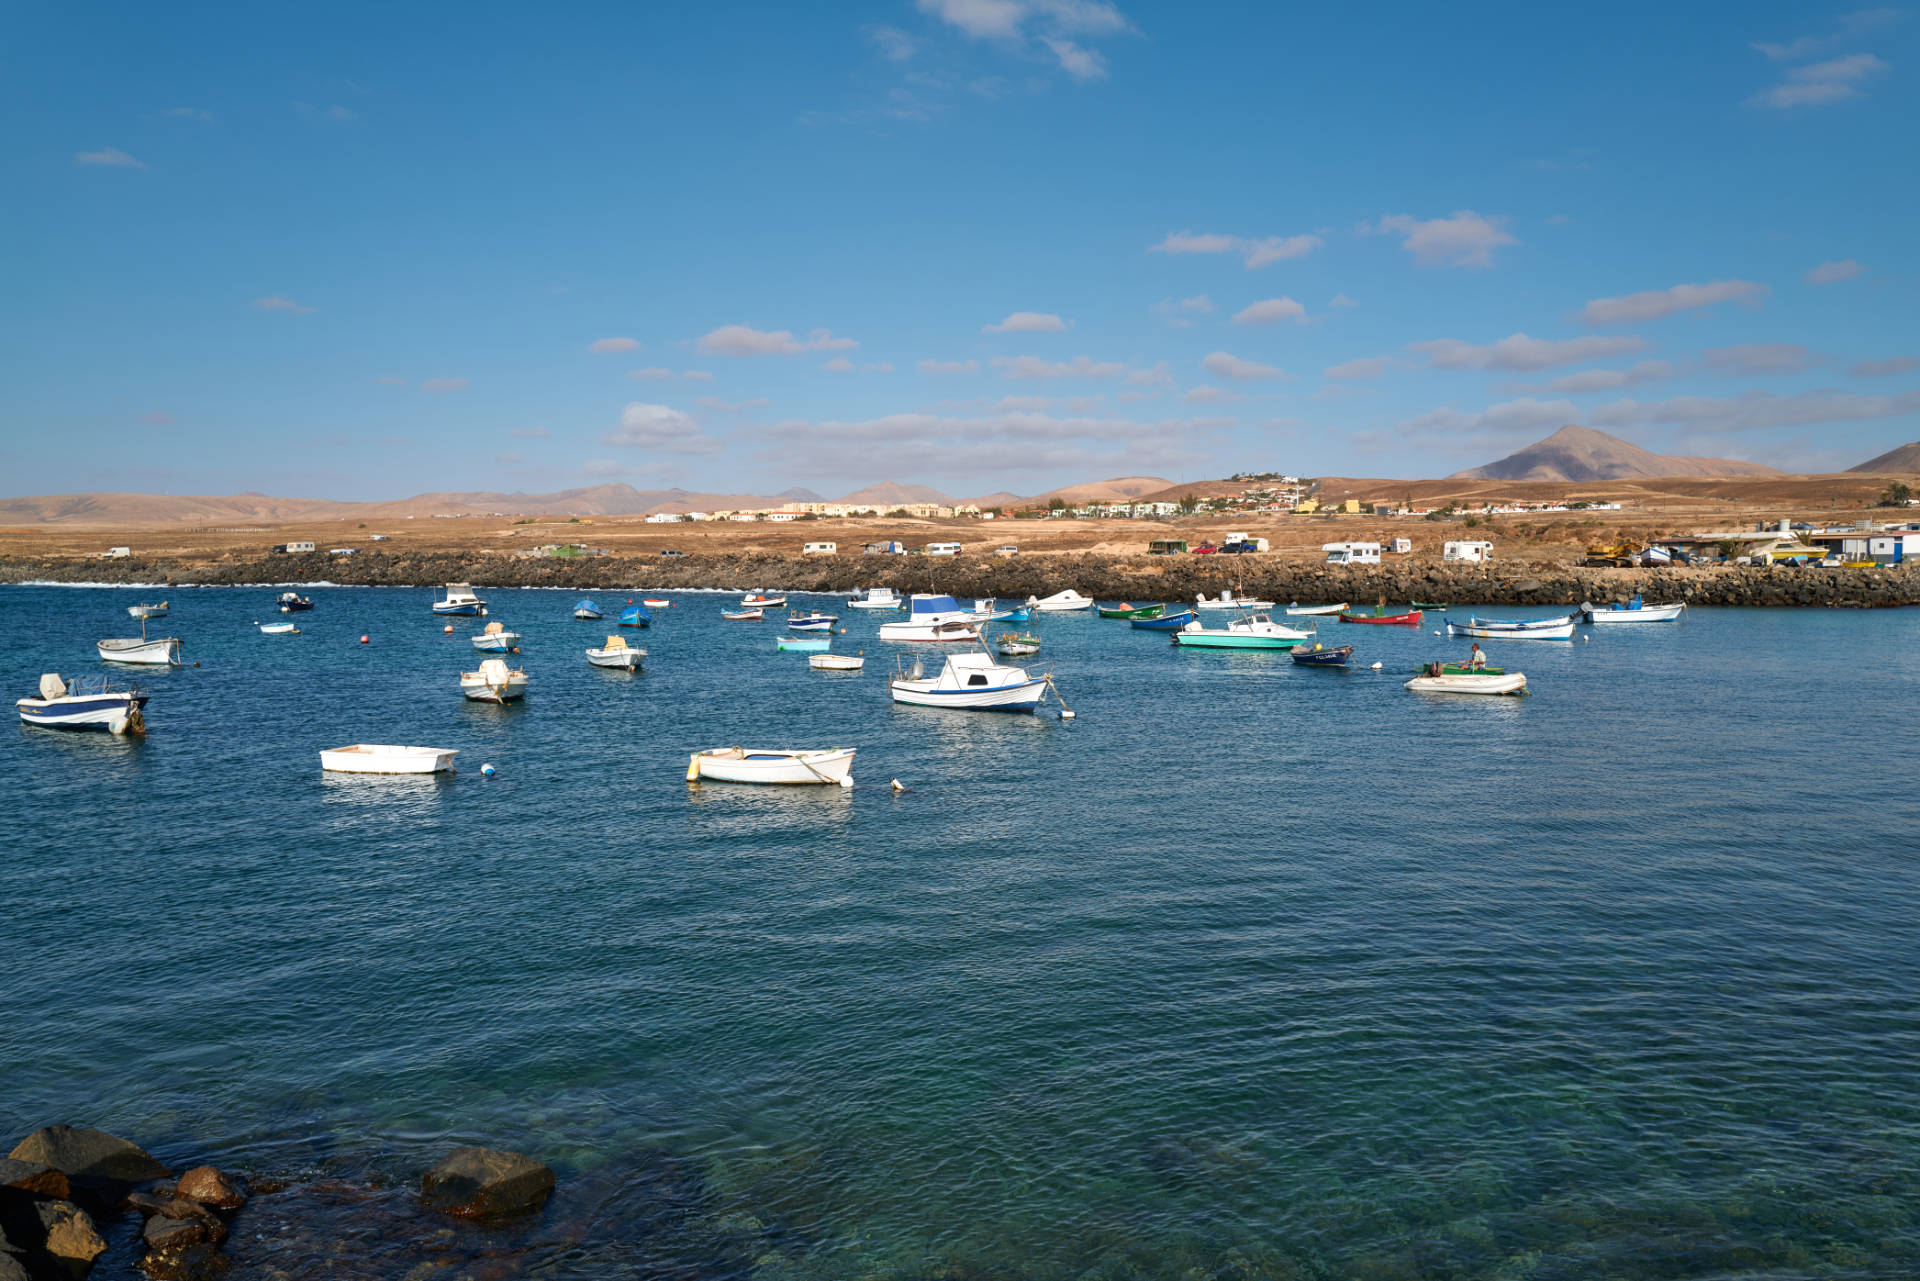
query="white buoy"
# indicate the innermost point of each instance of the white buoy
(1066, 713)
(898, 786)
(487, 770)
(1376, 667)
(846, 783)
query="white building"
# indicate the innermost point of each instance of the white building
(665, 518)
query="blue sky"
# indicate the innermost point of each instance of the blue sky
(363, 251)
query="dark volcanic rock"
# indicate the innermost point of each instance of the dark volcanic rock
(208, 1186)
(81, 1153)
(483, 1183)
(164, 1232)
(33, 1178)
(70, 1234)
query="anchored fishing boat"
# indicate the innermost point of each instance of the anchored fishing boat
(1227, 600)
(1379, 615)
(586, 609)
(1251, 631)
(155, 651)
(1125, 610)
(460, 600)
(90, 702)
(1320, 656)
(636, 616)
(832, 765)
(1518, 629)
(1165, 622)
(811, 620)
(387, 758)
(970, 682)
(1432, 606)
(1016, 644)
(1060, 602)
(279, 629)
(1298, 610)
(803, 644)
(876, 598)
(496, 639)
(755, 600)
(617, 653)
(743, 615)
(148, 611)
(495, 682)
(1437, 680)
(931, 618)
(294, 603)
(1634, 611)
(836, 662)
(651, 603)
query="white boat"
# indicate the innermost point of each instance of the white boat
(1524, 629)
(279, 629)
(460, 600)
(876, 598)
(773, 765)
(1249, 631)
(495, 639)
(1634, 611)
(617, 653)
(1015, 645)
(761, 600)
(836, 662)
(1060, 602)
(1298, 610)
(931, 618)
(148, 611)
(1227, 600)
(89, 703)
(970, 682)
(385, 758)
(495, 682)
(1434, 682)
(158, 651)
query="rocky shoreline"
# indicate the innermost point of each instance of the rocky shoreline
(1140, 578)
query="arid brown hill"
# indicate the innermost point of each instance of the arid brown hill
(1901, 461)
(1581, 453)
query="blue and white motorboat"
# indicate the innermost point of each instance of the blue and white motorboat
(932, 618)
(876, 598)
(636, 616)
(1166, 623)
(294, 603)
(496, 639)
(970, 682)
(460, 600)
(89, 703)
(1514, 628)
(811, 620)
(584, 608)
(1634, 611)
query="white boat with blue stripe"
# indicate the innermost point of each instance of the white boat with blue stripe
(971, 682)
(89, 703)
(932, 618)
(460, 600)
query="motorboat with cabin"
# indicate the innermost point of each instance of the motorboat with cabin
(876, 598)
(495, 682)
(932, 618)
(460, 600)
(972, 681)
(617, 653)
(1252, 630)
(1228, 600)
(294, 603)
(90, 702)
(494, 638)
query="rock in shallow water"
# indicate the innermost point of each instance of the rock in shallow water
(483, 1183)
(33, 1178)
(208, 1186)
(80, 1153)
(71, 1235)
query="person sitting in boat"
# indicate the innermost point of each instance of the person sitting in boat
(1478, 659)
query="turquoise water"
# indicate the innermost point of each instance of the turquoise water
(1248, 970)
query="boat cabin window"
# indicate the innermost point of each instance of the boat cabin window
(976, 679)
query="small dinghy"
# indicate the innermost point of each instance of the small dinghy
(636, 616)
(279, 629)
(148, 611)
(1409, 619)
(756, 600)
(386, 758)
(586, 609)
(294, 603)
(496, 639)
(1227, 600)
(876, 598)
(1166, 622)
(1060, 602)
(617, 653)
(1634, 611)
(1299, 610)
(1519, 629)
(832, 765)
(495, 682)
(1016, 644)
(804, 644)
(1320, 656)
(836, 662)
(1436, 679)
(1435, 607)
(743, 615)
(651, 603)
(89, 703)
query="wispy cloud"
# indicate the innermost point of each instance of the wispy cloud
(1832, 273)
(1834, 80)
(1207, 395)
(613, 344)
(1467, 239)
(893, 44)
(1028, 322)
(1885, 368)
(1489, 427)
(1522, 354)
(388, 380)
(1756, 410)
(1365, 368)
(1062, 27)
(1225, 365)
(841, 365)
(948, 366)
(1341, 300)
(662, 429)
(1652, 304)
(1270, 311)
(444, 384)
(1760, 358)
(1079, 62)
(733, 406)
(1255, 253)
(111, 157)
(1849, 26)
(1031, 367)
(1591, 380)
(278, 302)
(740, 340)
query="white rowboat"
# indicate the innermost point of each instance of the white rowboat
(773, 765)
(1635, 612)
(835, 662)
(385, 758)
(147, 611)
(279, 629)
(1506, 683)
(1300, 610)
(139, 649)
(1227, 600)
(1492, 629)
(1060, 602)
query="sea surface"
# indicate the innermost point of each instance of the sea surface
(1246, 971)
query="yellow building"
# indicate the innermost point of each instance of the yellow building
(1306, 507)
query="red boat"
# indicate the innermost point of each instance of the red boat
(1410, 619)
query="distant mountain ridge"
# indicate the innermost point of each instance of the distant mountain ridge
(1903, 460)
(1581, 453)
(892, 494)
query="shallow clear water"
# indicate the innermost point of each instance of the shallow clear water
(1248, 970)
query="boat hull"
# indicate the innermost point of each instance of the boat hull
(1411, 619)
(1550, 631)
(1143, 612)
(498, 643)
(1021, 696)
(823, 625)
(164, 652)
(953, 629)
(836, 662)
(1210, 639)
(279, 629)
(803, 644)
(1166, 623)
(1645, 614)
(115, 712)
(1339, 656)
(1512, 683)
(588, 614)
(628, 660)
(384, 758)
(478, 689)
(467, 610)
(1302, 611)
(745, 765)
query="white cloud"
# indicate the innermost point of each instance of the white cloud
(1270, 311)
(740, 340)
(1079, 62)
(1023, 404)
(1645, 371)
(530, 433)
(275, 302)
(613, 344)
(948, 366)
(1524, 417)
(1255, 253)
(1205, 395)
(1366, 367)
(981, 19)
(1832, 273)
(1028, 322)
(732, 406)
(1523, 354)
(1026, 367)
(1849, 26)
(1756, 410)
(894, 44)
(1760, 358)
(1341, 300)
(650, 375)
(1834, 80)
(1884, 368)
(838, 365)
(1467, 239)
(1652, 304)
(1222, 365)
(657, 427)
(112, 157)
(444, 384)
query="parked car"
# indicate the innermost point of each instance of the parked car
(1007, 550)
(668, 551)
(1205, 549)
(344, 551)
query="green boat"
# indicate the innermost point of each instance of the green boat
(1435, 606)
(1460, 669)
(1124, 610)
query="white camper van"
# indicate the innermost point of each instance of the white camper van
(820, 549)
(1352, 553)
(1471, 552)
